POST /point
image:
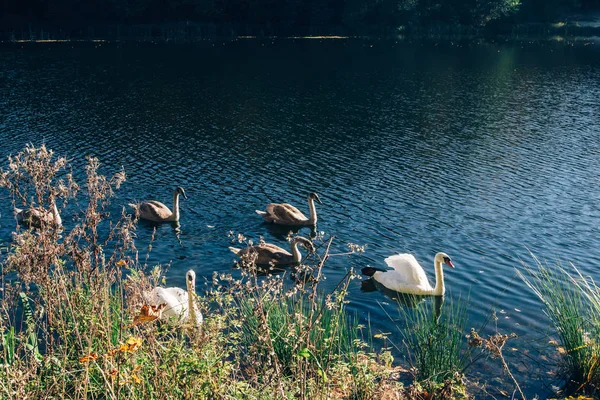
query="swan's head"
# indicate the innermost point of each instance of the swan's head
(190, 280)
(304, 242)
(443, 258)
(179, 190)
(314, 196)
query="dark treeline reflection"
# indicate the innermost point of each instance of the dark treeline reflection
(284, 16)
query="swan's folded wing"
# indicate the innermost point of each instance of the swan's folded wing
(176, 300)
(408, 268)
(154, 209)
(285, 213)
(268, 253)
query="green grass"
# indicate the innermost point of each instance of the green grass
(572, 303)
(435, 344)
(297, 329)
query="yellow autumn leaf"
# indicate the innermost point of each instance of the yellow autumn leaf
(131, 345)
(136, 379)
(121, 263)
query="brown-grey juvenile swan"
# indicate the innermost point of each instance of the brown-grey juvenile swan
(180, 304)
(269, 254)
(409, 277)
(36, 217)
(156, 211)
(287, 214)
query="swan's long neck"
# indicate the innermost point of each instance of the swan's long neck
(56, 216)
(439, 289)
(296, 255)
(313, 211)
(175, 206)
(191, 307)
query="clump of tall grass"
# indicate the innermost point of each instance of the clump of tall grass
(293, 332)
(69, 325)
(434, 341)
(572, 302)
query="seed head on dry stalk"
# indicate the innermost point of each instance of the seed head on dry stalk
(494, 344)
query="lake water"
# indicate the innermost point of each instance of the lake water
(482, 150)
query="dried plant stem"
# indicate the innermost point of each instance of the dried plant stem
(505, 366)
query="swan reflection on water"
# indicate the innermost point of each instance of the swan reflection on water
(403, 299)
(283, 231)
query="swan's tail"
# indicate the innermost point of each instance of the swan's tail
(263, 213)
(235, 250)
(370, 271)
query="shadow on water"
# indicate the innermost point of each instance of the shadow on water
(155, 226)
(403, 299)
(283, 231)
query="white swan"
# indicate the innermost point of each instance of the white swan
(269, 254)
(287, 214)
(180, 304)
(156, 211)
(408, 276)
(36, 217)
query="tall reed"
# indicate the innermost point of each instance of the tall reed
(434, 338)
(572, 302)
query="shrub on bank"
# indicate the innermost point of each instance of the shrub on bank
(73, 322)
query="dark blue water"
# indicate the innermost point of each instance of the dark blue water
(484, 151)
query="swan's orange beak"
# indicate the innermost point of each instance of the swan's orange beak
(449, 262)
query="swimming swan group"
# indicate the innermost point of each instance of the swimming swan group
(406, 276)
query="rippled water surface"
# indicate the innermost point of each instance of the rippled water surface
(480, 150)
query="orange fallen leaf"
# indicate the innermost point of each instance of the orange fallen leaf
(148, 314)
(121, 263)
(89, 357)
(131, 345)
(113, 373)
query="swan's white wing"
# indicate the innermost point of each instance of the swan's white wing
(407, 270)
(176, 300)
(395, 281)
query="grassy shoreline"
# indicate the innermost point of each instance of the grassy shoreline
(75, 323)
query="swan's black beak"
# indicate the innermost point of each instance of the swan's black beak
(184, 195)
(448, 262)
(318, 199)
